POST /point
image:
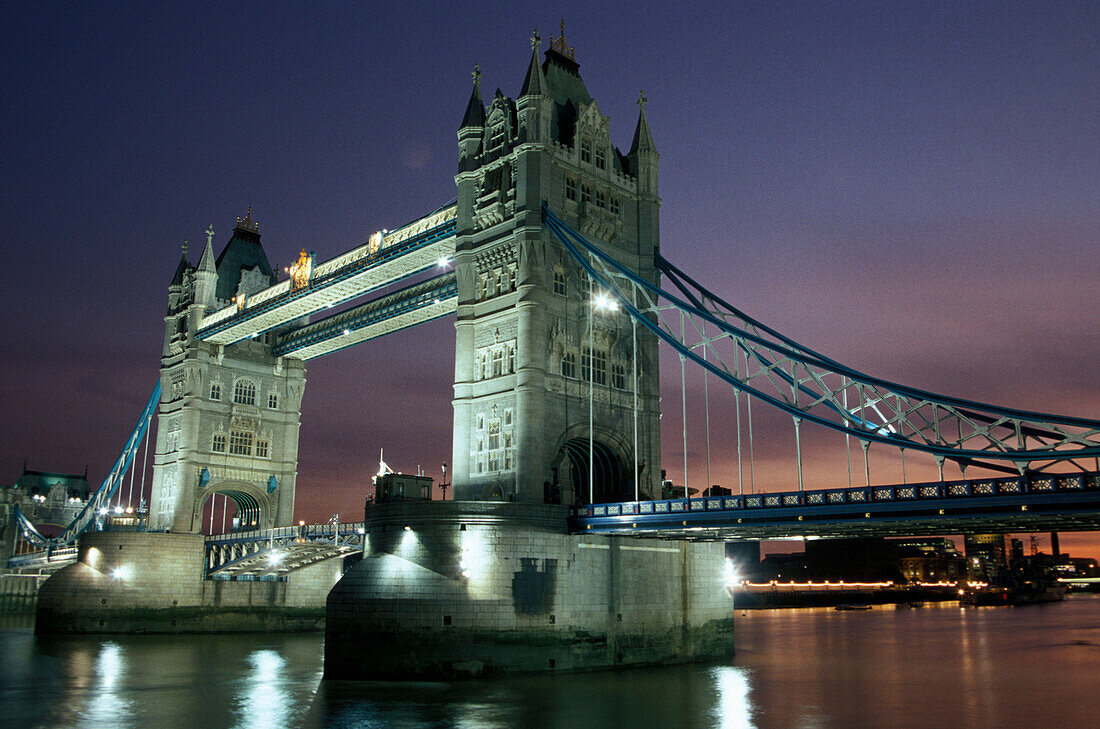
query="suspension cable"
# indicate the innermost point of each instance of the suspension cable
(634, 357)
(706, 401)
(683, 400)
(737, 408)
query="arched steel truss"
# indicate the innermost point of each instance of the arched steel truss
(756, 359)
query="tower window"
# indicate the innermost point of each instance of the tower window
(618, 377)
(601, 158)
(570, 189)
(244, 393)
(559, 282)
(215, 391)
(498, 363)
(615, 205)
(586, 151)
(262, 448)
(594, 366)
(272, 401)
(601, 199)
(240, 443)
(510, 359)
(586, 194)
(569, 365)
(217, 443)
(511, 278)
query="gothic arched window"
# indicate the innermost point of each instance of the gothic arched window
(244, 392)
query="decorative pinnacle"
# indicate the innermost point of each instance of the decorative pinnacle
(248, 223)
(210, 234)
(642, 100)
(184, 249)
(476, 74)
(558, 44)
(536, 40)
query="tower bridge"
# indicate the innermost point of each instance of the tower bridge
(550, 261)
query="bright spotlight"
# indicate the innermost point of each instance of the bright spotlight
(118, 509)
(408, 528)
(603, 302)
(444, 261)
(274, 558)
(121, 573)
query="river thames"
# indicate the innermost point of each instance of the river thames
(933, 667)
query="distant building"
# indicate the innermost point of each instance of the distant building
(930, 559)
(987, 555)
(50, 500)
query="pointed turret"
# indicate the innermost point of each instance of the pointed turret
(534, 83)
(182, 269)
(473, 126)
(475, 110)
(643, 139)
(206, 274)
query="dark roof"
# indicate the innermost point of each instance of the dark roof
(534, 82)
(40, 482)
(181, 271)
(242, 252)
(565, 86)
(475, 110)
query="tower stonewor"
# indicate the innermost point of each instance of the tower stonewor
(529, 341)
(229, 415)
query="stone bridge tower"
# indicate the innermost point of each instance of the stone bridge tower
(229, 415)
(528, 337)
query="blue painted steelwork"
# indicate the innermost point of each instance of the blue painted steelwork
(91, 511)
(411, 298)
(1035, 502)
(814, 388)
(385, 255)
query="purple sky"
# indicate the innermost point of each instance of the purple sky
(909, 188)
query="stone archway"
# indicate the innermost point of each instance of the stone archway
(610, 481)
(254, 509)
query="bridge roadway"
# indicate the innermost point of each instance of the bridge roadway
(1037, 502)
(272, 554)
(413, 249)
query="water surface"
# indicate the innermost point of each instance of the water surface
(938, 666)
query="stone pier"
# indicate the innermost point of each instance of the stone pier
(462, 589)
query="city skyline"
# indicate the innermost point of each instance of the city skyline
(910, 191)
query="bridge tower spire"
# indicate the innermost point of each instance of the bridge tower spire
(533, 355)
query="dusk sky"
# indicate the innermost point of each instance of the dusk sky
(911, 188)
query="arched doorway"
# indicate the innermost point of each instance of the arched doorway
(609, 481)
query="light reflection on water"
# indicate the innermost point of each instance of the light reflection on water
(811, 669)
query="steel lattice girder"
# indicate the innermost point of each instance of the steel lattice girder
(814, 388)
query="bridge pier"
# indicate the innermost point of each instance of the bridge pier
(462, 589)
(147, 582)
